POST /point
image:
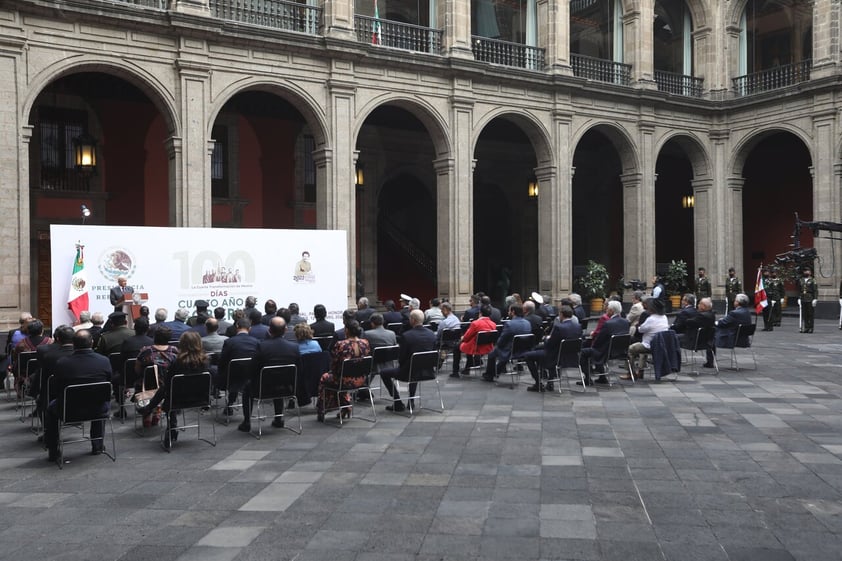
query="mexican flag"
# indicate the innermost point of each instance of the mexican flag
(376, 35)
(77, 297)
(760, 301)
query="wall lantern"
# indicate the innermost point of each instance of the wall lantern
(360, 176)
(532, 189)
(84, 151)
(688, 201)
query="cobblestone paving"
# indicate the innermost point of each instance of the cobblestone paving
(742, 466)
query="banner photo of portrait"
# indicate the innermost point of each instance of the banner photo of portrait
(174, 267)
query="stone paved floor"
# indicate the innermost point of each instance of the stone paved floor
(744, 466)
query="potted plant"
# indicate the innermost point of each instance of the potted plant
(676, 281)
(594, 282)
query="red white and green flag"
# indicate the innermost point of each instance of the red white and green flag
(77, 297)
(377, 32)
(760, 301)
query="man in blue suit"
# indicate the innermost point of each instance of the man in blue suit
(415, 339)
(273, 351)
(597, 353)
(84, 366)
(726, 328)
(241, 345)
(503, 350)
(546, 357)
(178, 325)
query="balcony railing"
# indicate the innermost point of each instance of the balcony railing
(278, 14)
(157, 4)
(773, 79)
(397, 35)
(601, 70)
(507, 54)
(679, 84)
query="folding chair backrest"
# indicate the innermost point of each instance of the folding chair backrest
(522, 344)
(487, 338)
(86, 402)
(31, 366)
(240, 368)
(150, 381)
(382, 355)
(189, 391)
(422, 366)
(450, 335)
(618, 347)
(324, 342)
(23, 361)
(116, 360)
(704, 335)
(277, 381)
(396, 327)
(128, 366)
(357, 367)
(744, 335)
(568, 352)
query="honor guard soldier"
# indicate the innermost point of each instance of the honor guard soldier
(808, 292)
(733, 286)
(775, 293)
(703, 289)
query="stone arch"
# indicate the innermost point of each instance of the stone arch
(289, 92)
(735, 12)
(744, 147)
(531, 126)
(139, 77)
(693, 147)
(619, 138)
(433, 122)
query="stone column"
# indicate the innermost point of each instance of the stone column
(647, 239)
(455, 203)
(729, 65)
(702, 58)
(635, 251)
(454, 19)
(554, 35)
(15, 136)
(825, 55)
(338, 18)
(336, 202)
(190, 204)
(718, 244)
(732, 234)
(826, 197)
(637, 36)
(704, 218)
(550, 228)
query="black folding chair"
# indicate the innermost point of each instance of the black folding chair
(238, 369)
(187, 392)
(86, 403)
(568, 357)
(743, 340)
(702, 341)
(383, 357)
(521, 344)
(422, 368)
(276, 382)
(618, 349)
(485, 338)
(357, 371)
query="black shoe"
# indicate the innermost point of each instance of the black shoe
(364, 397)
(487, 379)
(397, 407)
(601, 380)
(245, 426)
(588, 383)
(52, 456)
(535, 388)
(455, 375)
(550, 387)
(228, 412)
(278, 423)
(708, 365)
(97, 450)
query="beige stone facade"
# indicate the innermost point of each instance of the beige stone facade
(190, 63)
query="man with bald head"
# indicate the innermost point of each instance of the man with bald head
(413, 340)
(270, 352)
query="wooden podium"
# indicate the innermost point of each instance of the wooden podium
(132, 307)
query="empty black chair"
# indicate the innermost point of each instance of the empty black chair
(86, 403)
(422, 368)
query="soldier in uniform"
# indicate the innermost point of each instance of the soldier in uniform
(808, 292)
(733, 286)
(703, 289)
(775, 295)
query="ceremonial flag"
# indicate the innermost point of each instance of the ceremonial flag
(77, 298)
(376, 35)
(759, 293)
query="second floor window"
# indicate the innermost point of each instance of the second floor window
(596, 29)
(508, 20)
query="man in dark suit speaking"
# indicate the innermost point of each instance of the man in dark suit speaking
(84, 366)
(120, 295)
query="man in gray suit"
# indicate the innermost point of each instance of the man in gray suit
(213, 341)
(378, 336)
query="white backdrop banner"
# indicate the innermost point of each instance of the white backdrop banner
(177, 266)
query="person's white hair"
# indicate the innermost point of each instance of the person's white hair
(362, 302)
(161, 314)
(182, 314)
(84, 316)
(742, 300)
(576, 299)
(528, 307)
(97, 318)
(414, 304)
(616, 307)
